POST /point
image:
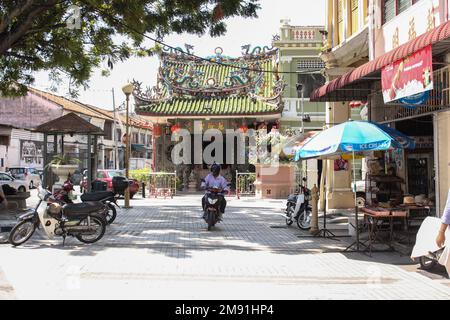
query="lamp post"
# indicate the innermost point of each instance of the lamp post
(299, 87)
(127, 90)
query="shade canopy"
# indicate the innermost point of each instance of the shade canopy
(354, 137)
(139, 147)
(357, 84)
(69, 124)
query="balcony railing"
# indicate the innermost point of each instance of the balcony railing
(439, 100)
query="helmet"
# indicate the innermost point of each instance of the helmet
(215, 169)
(54, 209)
(68, 186)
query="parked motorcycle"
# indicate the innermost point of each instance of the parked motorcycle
(108, 198)
(212, 209)
(298, 208)
(84, 221)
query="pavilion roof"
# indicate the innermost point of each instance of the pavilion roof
(69, 124)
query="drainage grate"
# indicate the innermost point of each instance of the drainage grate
(278, 227)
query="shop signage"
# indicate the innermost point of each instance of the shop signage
(409, 76)
(421, 17)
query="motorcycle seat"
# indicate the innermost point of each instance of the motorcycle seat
(97, 196)
(81, 209)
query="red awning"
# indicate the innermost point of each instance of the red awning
(353, 86)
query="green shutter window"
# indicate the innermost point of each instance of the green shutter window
(389, 10)
(403, 5)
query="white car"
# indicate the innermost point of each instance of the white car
(19, 185)
(30, 175)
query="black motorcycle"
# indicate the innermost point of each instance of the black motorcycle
(108, 198)
(303, 213)
(84, 221)
(212, 208)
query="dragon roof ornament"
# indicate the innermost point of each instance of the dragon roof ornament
(182, 75)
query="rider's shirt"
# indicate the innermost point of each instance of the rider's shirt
(211, 181)
(446, 214)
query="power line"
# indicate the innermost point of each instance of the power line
(191, 54)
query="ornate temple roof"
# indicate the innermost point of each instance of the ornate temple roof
(214, 86)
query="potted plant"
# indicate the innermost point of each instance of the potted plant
(62, 165)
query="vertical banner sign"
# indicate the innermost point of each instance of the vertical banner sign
(409, 76)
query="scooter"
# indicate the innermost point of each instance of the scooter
(84, 221)
(298, 208)
(212, 209)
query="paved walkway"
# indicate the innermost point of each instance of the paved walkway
(160, 249)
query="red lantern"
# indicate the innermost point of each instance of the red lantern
(243, 128)
(175, 128)
(157, 131)
(355, 104)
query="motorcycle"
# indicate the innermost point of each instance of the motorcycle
(212, 210)
(298, 208)
(108, 198)
(84, 221)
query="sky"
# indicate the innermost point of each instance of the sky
(240, 31)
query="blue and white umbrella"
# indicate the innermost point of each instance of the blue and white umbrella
(354, 137)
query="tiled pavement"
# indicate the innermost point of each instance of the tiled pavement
(161, 249)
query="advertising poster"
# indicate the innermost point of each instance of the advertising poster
(407, 77)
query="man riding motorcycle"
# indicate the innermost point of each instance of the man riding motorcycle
(215, 180)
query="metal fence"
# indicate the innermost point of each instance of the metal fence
(162, 184)
(245, 184)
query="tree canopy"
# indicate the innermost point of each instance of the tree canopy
(73, 37)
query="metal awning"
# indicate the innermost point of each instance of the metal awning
(356, 84)
(139, 147)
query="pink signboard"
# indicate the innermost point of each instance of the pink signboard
(408, 76)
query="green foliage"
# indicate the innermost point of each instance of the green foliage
(34, 34)
(62, 159)
(141, 175)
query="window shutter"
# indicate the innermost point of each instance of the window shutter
(389, 10)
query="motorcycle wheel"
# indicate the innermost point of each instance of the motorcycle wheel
(100, 226)
(304, 222)
(290, 212)
(210, 220)
(22, 232)
(427, 263)
(111, 215)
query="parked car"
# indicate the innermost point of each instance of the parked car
(19, 185)
(30, 175)
(107, 175)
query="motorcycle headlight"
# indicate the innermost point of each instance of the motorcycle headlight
(212, 201)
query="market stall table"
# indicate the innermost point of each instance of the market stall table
(376, 217)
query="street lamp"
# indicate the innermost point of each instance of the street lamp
(299, 87)
(127, 90)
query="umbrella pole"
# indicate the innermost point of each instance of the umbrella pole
(357, 242)
(356, 204)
